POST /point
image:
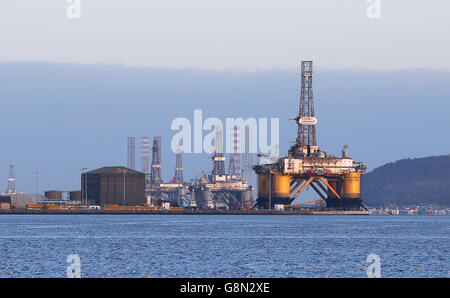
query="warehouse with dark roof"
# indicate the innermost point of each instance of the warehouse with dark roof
(113, 186)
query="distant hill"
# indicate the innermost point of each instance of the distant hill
(409, 182)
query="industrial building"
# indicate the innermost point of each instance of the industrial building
(113, 186)
(336, 180)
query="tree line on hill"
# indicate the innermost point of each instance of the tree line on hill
(418, 181)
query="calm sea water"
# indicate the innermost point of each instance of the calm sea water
(224, 245)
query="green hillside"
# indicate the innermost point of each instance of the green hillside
(409, 182)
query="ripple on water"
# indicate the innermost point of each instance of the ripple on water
(223, 246)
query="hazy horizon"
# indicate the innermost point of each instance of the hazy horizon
(59, 118)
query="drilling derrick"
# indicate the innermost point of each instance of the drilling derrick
(178, 167)
(306, 142)
(156, 161)
(234, 169)
(131, 153)
(247, 163)
(145, 150)
(218, 164)
(11, 181)
(336, 180)
(218, 157)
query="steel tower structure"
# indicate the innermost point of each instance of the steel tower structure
(178, 167)
(235, 160)
(218, 157)
(145, 151)
(156, 160)
(11, 181)
(306, 142)
(247, 163)
(131, 153)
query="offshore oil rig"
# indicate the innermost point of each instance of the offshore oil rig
(221, 190)
(336, 180)
(218, 190)
(177, 192)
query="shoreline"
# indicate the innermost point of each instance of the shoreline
(185, 212)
